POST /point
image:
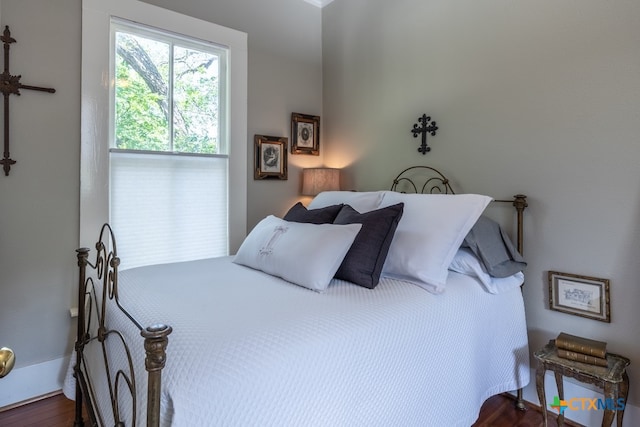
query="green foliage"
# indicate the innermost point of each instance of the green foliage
(142, 111)
(140, 124)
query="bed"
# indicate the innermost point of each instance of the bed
(280, 343)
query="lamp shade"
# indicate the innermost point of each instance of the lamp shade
(317, 180)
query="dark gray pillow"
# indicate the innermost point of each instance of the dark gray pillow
(299, 213)
(493, 247)
(363, 263)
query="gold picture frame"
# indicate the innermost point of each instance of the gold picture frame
(580, 295)
(305, 134)
(270, 154)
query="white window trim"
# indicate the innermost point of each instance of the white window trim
(95, 107)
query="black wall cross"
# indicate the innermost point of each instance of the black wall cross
(10, 85)
(424, 129)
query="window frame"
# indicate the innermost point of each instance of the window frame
(96, 108)
(173, 40)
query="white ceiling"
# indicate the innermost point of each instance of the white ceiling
(319, 3)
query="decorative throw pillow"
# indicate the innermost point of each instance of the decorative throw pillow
(305, 254)
(429, 234)
(493, 247)
(326, 215)
(466, 262)
(362, 201)
(363, 263)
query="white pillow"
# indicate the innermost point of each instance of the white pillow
(466, 262)
(362, 201)
(305, 254)
(429, 234)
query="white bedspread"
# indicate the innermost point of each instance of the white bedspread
(249, 349)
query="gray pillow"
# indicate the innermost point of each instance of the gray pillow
(493, 247)
(326, 215)
(363, 263)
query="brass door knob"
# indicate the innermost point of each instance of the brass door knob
(7, 360)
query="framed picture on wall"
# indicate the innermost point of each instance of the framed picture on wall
(579, 295)
(270, 154)
(305, 134)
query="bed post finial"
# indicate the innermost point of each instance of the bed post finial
(156, 339)
(520, 202)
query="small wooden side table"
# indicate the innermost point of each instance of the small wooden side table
(613, 379)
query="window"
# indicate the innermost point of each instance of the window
(169, 99)
(169, 91)
(163, 133)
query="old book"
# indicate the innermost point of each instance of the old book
(584, 358)
(581, 345)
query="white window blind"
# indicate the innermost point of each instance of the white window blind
(169, 208)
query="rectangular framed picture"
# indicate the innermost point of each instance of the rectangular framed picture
(305, 134)
(270, 157)
(579, 295)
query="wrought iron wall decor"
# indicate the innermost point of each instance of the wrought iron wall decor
(10, 85)
(424, 127)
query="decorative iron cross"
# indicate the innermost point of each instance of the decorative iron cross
(10, 85)
(424, 130)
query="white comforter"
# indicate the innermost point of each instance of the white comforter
(250, 349)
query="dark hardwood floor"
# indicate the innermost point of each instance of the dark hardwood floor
(500, 411)
(55, 411)
(58, 411)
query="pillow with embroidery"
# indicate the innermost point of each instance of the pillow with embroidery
(305, 254)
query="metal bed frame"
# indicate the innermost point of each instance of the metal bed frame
(155, 337)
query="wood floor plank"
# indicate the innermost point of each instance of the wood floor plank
(55, 411)
(58, 411)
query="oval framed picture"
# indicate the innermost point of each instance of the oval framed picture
(305, 134)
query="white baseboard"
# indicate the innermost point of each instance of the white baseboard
(31, 381)
(574, 389)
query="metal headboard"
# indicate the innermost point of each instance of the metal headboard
(428, 180)
(434, 182)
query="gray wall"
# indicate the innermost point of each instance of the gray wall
(40, 199)
(537, 97)
(534, 97)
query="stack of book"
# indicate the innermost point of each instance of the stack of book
(582, 349)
